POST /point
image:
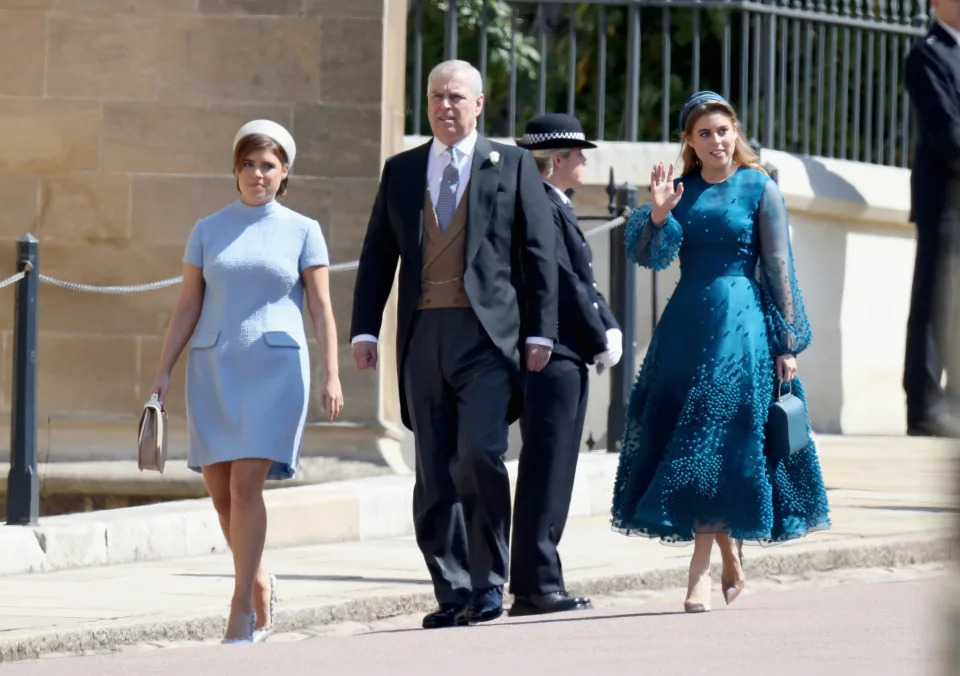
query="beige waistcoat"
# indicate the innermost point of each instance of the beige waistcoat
(444, 253)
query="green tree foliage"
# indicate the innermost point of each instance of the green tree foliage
(684, 75)
(499, 54)
(555, 19)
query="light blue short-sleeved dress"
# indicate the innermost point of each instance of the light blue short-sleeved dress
(248, 371)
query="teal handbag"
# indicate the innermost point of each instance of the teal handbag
(786, 425)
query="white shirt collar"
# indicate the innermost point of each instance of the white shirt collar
(563, 197)
(954, 33)
(464, 146)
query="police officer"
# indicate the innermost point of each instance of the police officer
(933, 82)
(555, 399)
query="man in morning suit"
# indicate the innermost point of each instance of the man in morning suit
(555, 401)
(469, 223)
(933, 83)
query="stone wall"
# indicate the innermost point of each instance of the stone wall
(117, 118)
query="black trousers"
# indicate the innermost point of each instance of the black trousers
(458, 386)
(932, 330)
(555, 405)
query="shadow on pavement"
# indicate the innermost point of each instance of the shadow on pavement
(552, 619)
(324, 578)
(915, 508)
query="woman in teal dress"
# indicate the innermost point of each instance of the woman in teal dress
(693, 466)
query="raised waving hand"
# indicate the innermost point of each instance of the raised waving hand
(663, 195)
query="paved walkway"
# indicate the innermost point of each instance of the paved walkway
(892, 504)
(891, 625)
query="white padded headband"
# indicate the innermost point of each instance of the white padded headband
(274, 131)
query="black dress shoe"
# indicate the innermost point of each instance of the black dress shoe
(940, 426)
(447, 615)
(486, 605)
(539, 604)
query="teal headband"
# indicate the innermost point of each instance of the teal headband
(697, 100)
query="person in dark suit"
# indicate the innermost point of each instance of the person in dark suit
(469, 223)
(933, 83)
(555, 398)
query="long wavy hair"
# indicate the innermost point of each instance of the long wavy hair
(743, 154)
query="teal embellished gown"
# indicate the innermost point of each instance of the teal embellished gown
(692, 458)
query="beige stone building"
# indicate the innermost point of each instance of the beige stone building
(116, 124)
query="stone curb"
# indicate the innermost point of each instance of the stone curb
(341, 511)
(863, 553)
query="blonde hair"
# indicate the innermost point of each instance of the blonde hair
(743, 154)
(544, 159)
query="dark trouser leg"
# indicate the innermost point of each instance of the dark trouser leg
(437, 513)
(953, 360)
(948, 296)
(482, 383)
(922, 363)
(555, 405)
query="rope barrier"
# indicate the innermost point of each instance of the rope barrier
(93, 288)
(609, 225)
(13, 279)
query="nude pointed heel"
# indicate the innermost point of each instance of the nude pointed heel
(696, 606)
(731, 590)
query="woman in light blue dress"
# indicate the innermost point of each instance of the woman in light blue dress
(693, 466)
(245, 272)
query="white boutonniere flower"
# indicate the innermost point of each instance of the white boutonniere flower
(494, 157)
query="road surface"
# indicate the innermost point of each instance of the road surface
(875, 622)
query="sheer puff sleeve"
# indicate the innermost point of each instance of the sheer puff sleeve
(649, 245)
(787, 323)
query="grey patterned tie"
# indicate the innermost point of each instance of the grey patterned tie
(447, 201)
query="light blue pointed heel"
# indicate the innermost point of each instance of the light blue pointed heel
(263, 633)
(244, 639)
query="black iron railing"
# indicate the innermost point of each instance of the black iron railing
(817, 77)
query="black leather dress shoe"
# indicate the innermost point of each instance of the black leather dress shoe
(447, 615)
(941, 426)
(539, 604)
(486, 605)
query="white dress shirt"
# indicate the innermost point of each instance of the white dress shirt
(954, 33)
(563, 195)
(437, 161)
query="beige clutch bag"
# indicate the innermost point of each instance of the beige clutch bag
(152, 451)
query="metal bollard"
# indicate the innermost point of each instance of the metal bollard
(23, 485)
(623, 303)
